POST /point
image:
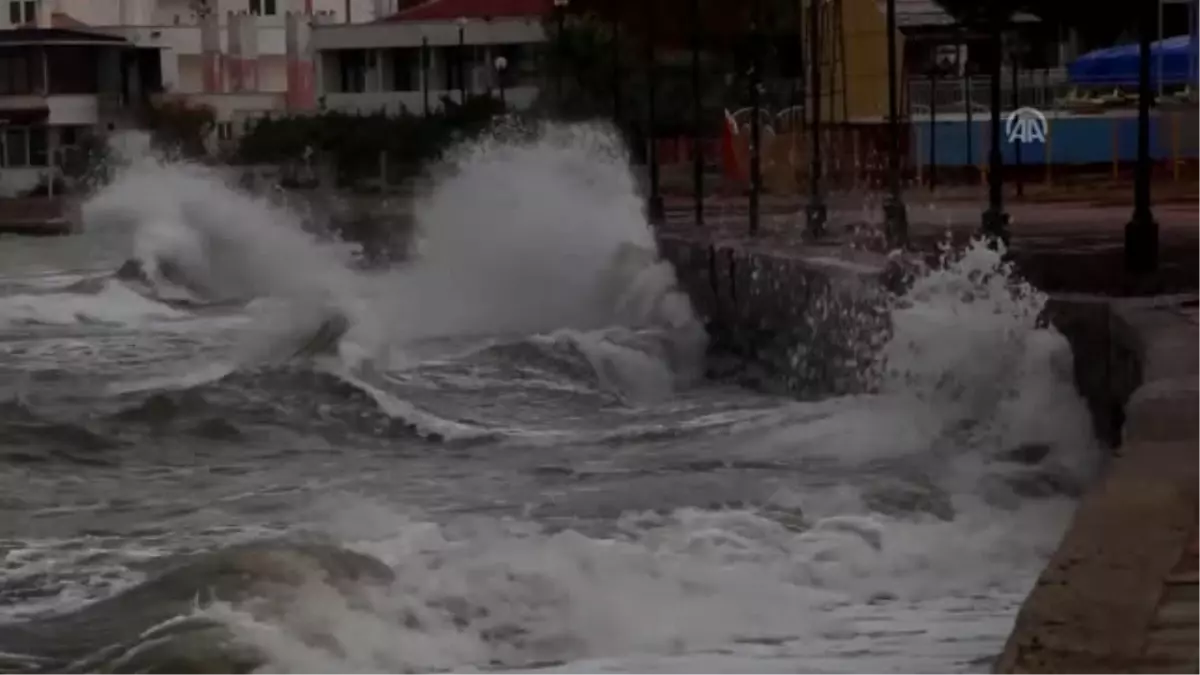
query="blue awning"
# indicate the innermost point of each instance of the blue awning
(1118, 66)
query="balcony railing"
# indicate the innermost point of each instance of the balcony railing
(1042, 89)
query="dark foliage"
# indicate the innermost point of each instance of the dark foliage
(1096, 27)
(179, 126)
(671, 21)
(353, 142)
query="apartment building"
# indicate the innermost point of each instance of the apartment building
(67, 66)
(432, 50)
(71, 65)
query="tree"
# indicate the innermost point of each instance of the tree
(1095, 28)
(722, 21)
(176, 124)
(584, 56)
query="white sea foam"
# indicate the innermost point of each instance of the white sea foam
(546, 237)
(114, 303)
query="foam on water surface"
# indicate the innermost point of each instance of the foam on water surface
(513, 422)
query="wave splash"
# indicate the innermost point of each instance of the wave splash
(539, 245)
(549, 237)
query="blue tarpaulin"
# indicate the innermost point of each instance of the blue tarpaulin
(1118, 66)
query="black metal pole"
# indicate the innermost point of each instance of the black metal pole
(697, 119)
(895, 215)
(500, 82)
(799, 126)
(616, 66)
(755, 112)
(1014, 79)
(425, 74)
(656, 202)
(968, 101)
(1141, 233)
(995, 220)
(933, 82)
(462, 63)
(561, 43)
(815, 212)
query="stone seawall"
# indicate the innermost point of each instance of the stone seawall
(805, 324)
(809, 324)
(1119, 593)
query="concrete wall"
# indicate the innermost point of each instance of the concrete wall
(864, 28)
(1119, 594)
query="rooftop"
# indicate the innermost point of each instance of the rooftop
(449, 10)
(927, 13)
(41, 36)
(60, 20)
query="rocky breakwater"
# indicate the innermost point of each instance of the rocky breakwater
(1120, 592)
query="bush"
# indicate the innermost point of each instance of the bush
(353, 141)
(180, 126)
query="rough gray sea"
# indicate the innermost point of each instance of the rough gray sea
(226, 446)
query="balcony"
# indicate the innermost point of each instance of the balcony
(393, 102)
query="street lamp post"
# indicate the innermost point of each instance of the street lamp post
(462, 59)
(895, 214)
(755, 117)
(1015, 81)
(425, 74)
(560, 17)
(1141, 233)
(616, 65)
(933, 101)
(501, 65)
(656, 201)
(815, 213)
(995, 220)
(697, 118)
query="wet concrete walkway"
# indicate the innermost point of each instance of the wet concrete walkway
(1060, 247)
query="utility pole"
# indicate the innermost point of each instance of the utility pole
(815, 213)
(1141, 233)
(995, 220)
(697, 117)
(895, 214)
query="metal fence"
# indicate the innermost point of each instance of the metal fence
(1037, 88)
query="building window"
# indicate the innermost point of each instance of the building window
(406, 69)
(263, 7)
(21, 12)
(353, 66)
(20, 73)
(224, 131)
(24, 147)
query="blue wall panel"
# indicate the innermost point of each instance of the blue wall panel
(1072, 140)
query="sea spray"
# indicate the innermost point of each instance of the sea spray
(522, 232)
(707, 530)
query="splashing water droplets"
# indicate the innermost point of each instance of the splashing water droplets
(579, 499)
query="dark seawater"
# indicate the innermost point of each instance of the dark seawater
(497, 456)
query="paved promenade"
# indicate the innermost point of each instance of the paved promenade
(1061, 247)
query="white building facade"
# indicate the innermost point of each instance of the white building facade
(68, 66)
(441, 49)
(231, 54)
